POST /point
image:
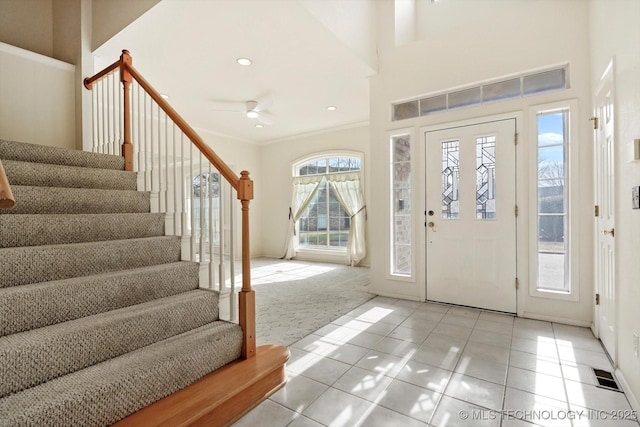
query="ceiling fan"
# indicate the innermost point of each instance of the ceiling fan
(251, 109)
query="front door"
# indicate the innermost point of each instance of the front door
(471, 215)
(605, 248)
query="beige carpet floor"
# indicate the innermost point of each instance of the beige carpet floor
(294, 298)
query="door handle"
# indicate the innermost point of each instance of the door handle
(432, 226)
(612, 232)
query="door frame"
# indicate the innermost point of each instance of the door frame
(607, 77)
(522, 269)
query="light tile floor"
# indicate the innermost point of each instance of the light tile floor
(395, 363)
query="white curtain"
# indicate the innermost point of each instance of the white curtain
(348, 191)
(304, 188)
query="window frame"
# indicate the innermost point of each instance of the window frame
(414, 150)
(295, 165)
(571, 147)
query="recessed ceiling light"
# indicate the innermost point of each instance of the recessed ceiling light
(332, 108)
(244, 61)
(259, 125)
(164, 96)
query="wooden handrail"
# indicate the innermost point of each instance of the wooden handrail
(215, 160)
(88, 82)
(6, 196)
(243, 184)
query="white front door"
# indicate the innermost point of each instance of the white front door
(471, 218)
(605, 231)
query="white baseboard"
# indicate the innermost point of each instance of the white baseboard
(635, 405)
(557, 319)
(394, 295)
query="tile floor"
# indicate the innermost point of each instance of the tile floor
(395, 363)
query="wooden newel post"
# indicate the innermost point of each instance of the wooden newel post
(247, 295)
(125, 77)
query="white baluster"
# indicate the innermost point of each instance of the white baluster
(105, 102)
(233, 304)
(192, 245)
(94, 119)
(120, 116)
(221, 238)
(212, 280)
(110, 112)
(165, 188)
(152, 158)
(185, 242)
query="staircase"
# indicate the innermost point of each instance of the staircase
(99, 317)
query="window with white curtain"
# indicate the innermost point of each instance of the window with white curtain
(327, 210)
(325, 224)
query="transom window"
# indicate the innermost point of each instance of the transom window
(325, 224)
(527, 84)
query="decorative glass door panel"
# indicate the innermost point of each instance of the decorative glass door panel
(450, 179)
(486, 177)
(471, 232)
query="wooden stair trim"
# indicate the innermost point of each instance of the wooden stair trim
(220, 398)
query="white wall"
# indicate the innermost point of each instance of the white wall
(470, 42)
(111, 16)
(37, 104)
(54, 29)
(277, 159)
(352, 22)
(615, 34)
(27, 24)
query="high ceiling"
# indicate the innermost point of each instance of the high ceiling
(302, 64)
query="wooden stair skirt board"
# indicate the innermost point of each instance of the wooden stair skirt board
(220, 398)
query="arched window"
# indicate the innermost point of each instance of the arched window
(206, 195)
(325, 224)
(328, 210)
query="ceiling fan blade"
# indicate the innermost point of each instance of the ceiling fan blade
(265, 118)
(264, 104)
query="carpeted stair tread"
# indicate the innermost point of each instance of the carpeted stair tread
(41, 304)
(54, 229)
(34, 264)
(48, 175)
(98, 316)
(107, 392)
(11, 150)
(51, 200)
(33, 357)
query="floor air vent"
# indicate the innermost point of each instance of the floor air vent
(606, 380)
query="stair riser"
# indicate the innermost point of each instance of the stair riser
(33, 357)
(55, 229)
(23, 307)
(53, 200)
(19, 151)
(45, 263)
(105, 393)
(46, 175)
